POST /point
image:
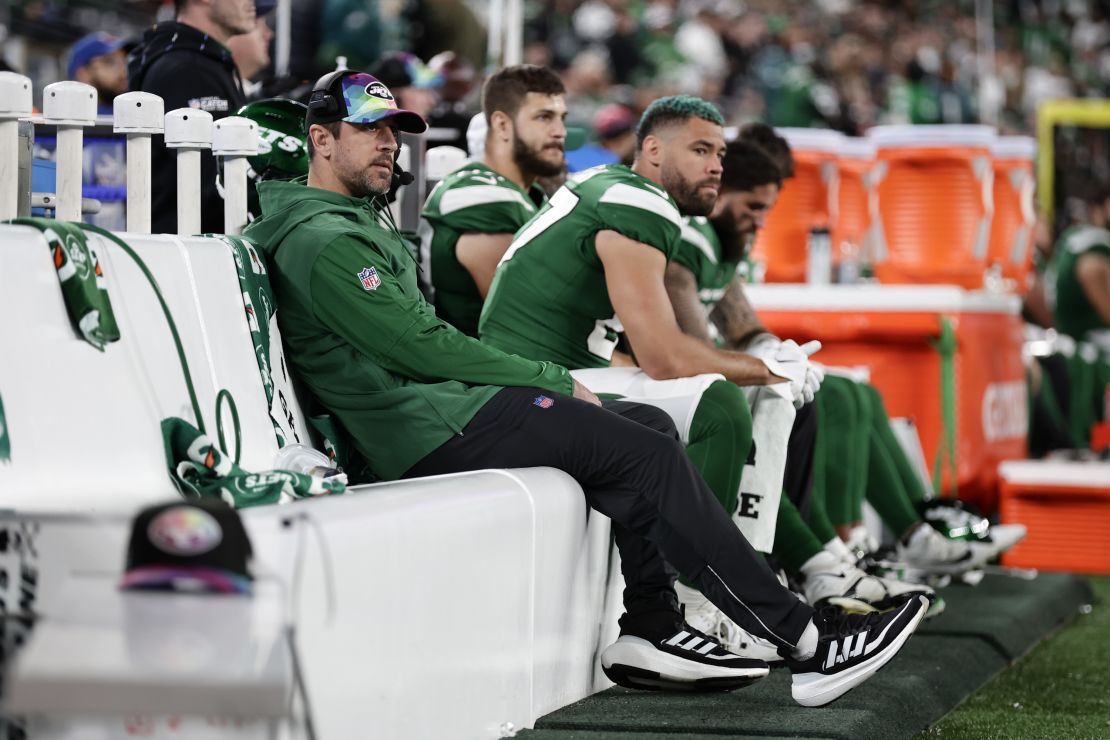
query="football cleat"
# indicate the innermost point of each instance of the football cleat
(827, 579)
(680, 660)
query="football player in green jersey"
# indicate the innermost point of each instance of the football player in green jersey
(472, 214)
(418, 398)
(709, 301)
(1077, 288)
(590, 265)
(873, 465)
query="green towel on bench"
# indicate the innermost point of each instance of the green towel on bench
(199, 468)
(82, 278)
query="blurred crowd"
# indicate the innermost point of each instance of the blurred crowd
(830, 63)
(842, 64)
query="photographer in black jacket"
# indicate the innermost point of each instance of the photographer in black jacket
(186, 62)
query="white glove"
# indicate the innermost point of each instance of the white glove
(792, 362)
(764, 345)
(815, 373)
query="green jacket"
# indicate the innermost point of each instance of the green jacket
(362, 339)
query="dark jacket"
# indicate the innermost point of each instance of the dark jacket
(359, 335)
(187, 69)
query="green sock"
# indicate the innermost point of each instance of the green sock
(844, 447)
(885, 490)
(795, 543)
(912, 486)
(720, 441)
(1081, 414)
(1046, 395)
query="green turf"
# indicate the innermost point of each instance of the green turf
(1060, 690)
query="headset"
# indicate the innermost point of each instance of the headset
(323, 103)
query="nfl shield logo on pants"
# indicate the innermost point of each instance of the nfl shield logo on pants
(369, 278)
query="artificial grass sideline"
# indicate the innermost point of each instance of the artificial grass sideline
(984, 629)
(1061, 689)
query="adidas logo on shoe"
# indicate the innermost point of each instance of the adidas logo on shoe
(687, 660)
(850, 649)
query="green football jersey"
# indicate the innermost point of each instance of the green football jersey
(472, 199)
(549, 298)
(1074, 314)
(700, 253)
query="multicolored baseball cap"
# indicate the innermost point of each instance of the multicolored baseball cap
(401, 69)
(195, 546)
(358, 97)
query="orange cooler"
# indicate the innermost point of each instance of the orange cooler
(893, 331)
(1011, 245)
(935, 203)
(856, 200)
(803, 204)
(1066, 508)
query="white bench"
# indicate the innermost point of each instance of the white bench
(462, 603)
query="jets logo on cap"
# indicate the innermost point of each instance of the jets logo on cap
(378, 90)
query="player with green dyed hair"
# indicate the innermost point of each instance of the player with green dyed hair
(591, 265)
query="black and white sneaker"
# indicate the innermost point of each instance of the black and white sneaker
(682, 660)
(850, 649)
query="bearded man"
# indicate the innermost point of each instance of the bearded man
(471, 217)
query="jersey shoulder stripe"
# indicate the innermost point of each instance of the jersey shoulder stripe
(629, 195)
(467, 196)
(692, 236)
(1083, 238)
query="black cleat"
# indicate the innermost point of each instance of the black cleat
(686, 660)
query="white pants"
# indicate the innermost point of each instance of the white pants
(772, 420)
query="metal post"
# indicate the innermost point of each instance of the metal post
(984, 42)
(410, 198)
(514, 32)
(188, 130)
(70, 107)
(15, 103)
(139, 115)
(235, 194)
(283, 42)
(234, 139)
(494, 37)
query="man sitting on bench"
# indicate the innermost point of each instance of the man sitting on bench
(418, 398)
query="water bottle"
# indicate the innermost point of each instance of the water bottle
(849, 268)
(819, 257)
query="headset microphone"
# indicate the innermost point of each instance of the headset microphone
(401, 178)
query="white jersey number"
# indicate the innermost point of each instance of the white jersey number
(560, 206)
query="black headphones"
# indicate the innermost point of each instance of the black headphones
(322, 103)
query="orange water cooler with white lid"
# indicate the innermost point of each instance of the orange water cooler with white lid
(1012, 230)
(804, 203)
(935, 195)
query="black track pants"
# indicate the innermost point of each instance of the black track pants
(633, 469)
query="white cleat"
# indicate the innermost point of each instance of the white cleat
(828, 579)
(930, 551)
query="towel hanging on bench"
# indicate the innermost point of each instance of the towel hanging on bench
(82, 278)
